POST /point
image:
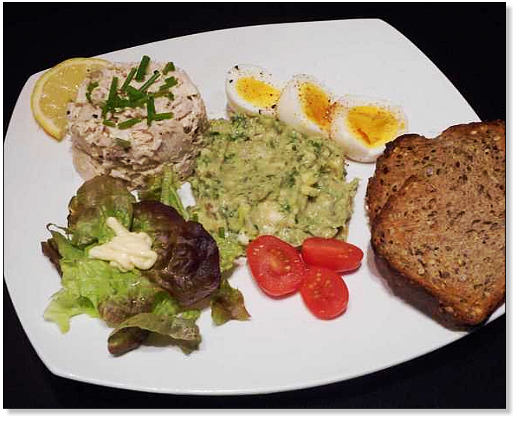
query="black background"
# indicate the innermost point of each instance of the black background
(466, 41)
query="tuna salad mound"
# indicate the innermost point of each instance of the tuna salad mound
(131, 119)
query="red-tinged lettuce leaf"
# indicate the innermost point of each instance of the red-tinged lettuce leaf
(132, 332)
(227, 304)
(126, 340)
(116, 310)
(50, 249)
(95, 201)
(188, 258)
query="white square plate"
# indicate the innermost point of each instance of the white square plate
(283, 346)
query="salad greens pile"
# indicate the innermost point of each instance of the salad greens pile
(143, 306)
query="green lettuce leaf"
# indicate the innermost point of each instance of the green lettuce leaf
(66, 304)
(59, 247)
(95, 201)
(93, 287)
(165, 305)
(163, 188)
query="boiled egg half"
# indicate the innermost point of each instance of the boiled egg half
(362, 126)
(305, 104)
(252, 90)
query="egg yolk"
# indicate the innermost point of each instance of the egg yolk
(316, 105)
(373, 125)
(256, 92)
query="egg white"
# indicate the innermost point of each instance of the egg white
(355, 148)
(236, 102)
(291, 109)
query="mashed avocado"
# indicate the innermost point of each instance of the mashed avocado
(258, 176)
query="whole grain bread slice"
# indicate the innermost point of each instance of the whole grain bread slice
(445, 244)
(412, 154)
(440, 236)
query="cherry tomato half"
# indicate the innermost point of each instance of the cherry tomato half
(324, 292)
(332, 254)
(276, 266)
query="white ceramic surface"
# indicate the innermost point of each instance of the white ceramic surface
(283, 346)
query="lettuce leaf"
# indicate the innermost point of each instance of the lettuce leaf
(147, 306)
(166, 321)
(183, 332)
(93, 287)
(188, 258)
(59, 247)
(66, 304)
(149, 327)
(163, 188)
(95, 201)
(227, 304)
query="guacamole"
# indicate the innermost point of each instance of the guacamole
(257, 175)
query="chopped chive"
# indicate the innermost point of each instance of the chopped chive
(129, 79)
(149, 82)
(134, 94)
(170, 67)
(121, 103)
(139, 102)
(150, 107)
(162, 93)
(128, 123)
(133, 91)
(113, 90)
(163, 116)
(143, 67)
(221, 232)
(136, 97)
(112, 95)
(123, 142)
(108, 123)
(170, 82)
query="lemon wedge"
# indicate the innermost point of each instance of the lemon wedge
(56, 88)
